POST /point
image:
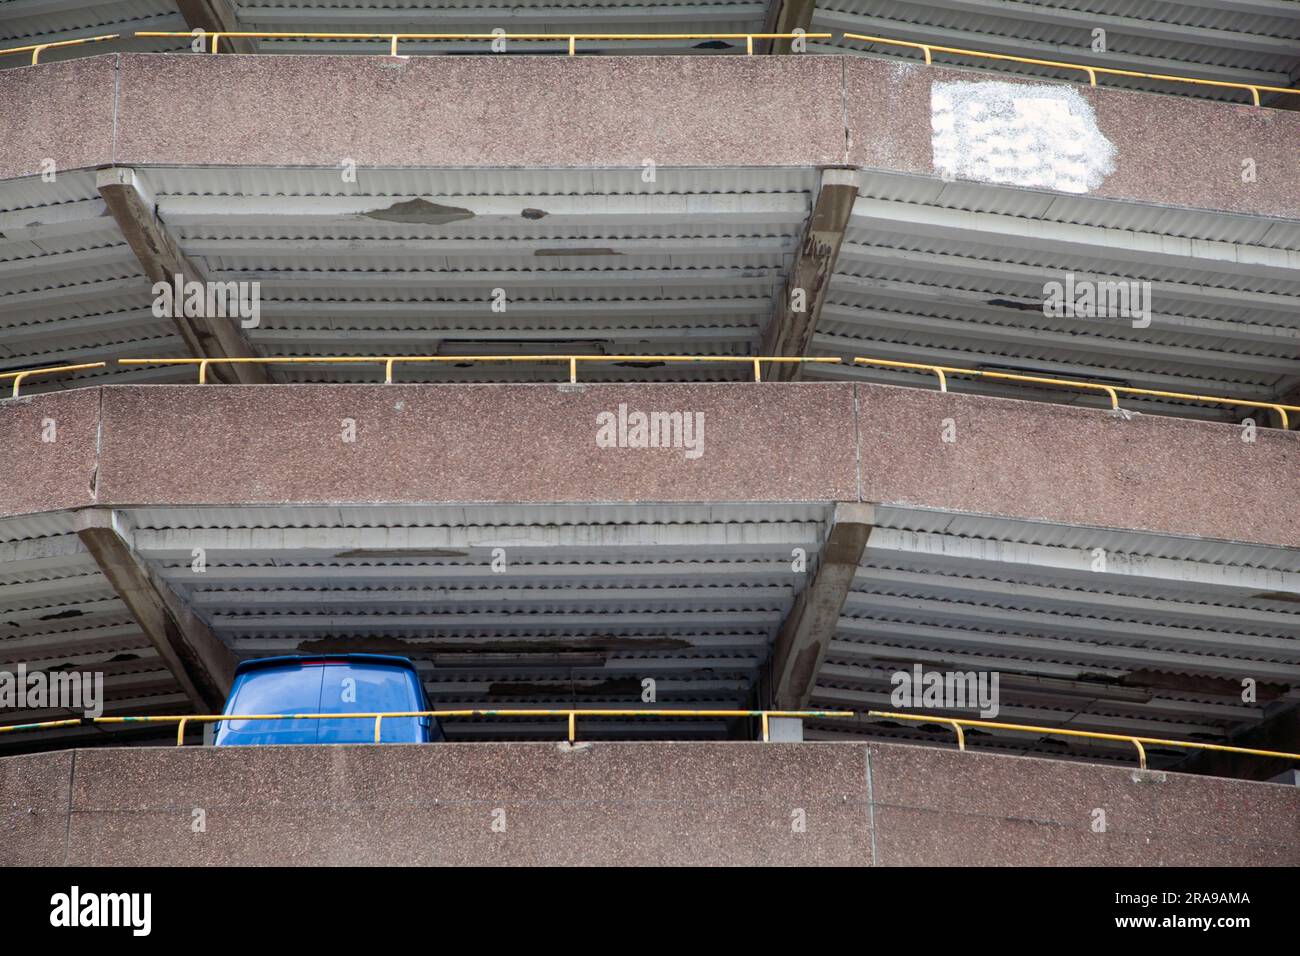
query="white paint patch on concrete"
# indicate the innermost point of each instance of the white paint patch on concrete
(1038, 136)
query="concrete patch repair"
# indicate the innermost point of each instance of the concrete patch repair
(1038, 136)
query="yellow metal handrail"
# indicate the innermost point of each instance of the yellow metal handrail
(18, 377)
(1112, 391)
(941, 372)
(388, 361)
(572, 38)
(1137, 741)
(35, 49)
(929, 48)
(571, 713)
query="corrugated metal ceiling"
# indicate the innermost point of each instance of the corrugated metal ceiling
(599, 261)
(588, 600)
(59, 613)
(584, 603)
(1150, 645)
(27, 22)
(1259, 43)
(593, 261)
(71, 290)
(955, 274)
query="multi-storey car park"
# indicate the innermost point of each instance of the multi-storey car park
(833, 253)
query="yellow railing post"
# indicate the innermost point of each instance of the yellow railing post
(20, 377)
(573, 726)
(1142, 754)
(37, 49)
(180, 732)
(379, 718)
(571, 38)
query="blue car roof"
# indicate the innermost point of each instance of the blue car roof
(286, 660)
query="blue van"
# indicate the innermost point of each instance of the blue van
(337, 684)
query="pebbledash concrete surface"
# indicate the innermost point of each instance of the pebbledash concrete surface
(603, 112)
(851, 804)
(219, 445)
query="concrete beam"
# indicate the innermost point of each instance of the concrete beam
(761, 539)
(795, 315)
(136, 212)
(200, 662)
(432, 209)
(217, 16)
(802, 642)
(786, 16)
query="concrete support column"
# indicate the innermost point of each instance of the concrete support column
(217, 16)
(200, 662)
(802, 642)
(797, 312)
(786, 16)
(133, 207)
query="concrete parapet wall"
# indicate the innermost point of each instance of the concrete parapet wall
(850, 804)
(122, 446)
(599, 112)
